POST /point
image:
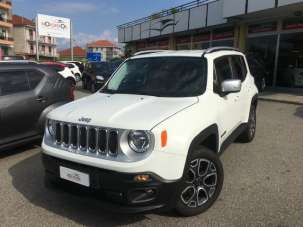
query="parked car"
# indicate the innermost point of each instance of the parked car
(75, 70)
(151, 138)
(78, 63)
(95, 75)
(259, 72)
(63, 70)
(13, 58)
(28, 92)
(116, 63)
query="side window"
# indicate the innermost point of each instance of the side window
(239, 67)
(34, 78)
(223, 69)
(13, 82)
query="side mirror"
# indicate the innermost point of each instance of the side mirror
(231, 86)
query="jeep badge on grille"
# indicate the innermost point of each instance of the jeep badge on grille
(84, 119)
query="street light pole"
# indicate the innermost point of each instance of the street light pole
(71, 42)
(37, 40)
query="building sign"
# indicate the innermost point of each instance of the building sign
(223, 34)
(163, 43)
(201, 37)
(293, 24)
(58, 27)
(266, 27)
(94, 56)
(183, 39)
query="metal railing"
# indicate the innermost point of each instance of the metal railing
(6, 38)
(167, 12)
(6, 20)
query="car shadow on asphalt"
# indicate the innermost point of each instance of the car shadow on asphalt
(20, 149)
(299, 112)
(28, 179)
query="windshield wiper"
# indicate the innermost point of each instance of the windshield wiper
(109, 91)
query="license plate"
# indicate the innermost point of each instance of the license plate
(74, 176)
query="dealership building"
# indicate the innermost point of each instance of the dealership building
(271, 31)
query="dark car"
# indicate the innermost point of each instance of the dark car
(28, 92)
(95, 75)
(258, 70)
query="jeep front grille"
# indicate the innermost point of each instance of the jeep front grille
(87, 139)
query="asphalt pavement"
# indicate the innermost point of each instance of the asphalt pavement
(263, 184)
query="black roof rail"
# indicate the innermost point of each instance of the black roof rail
(148, 52)
(220, 48)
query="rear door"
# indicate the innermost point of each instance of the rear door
(15, 105)
(39, 100)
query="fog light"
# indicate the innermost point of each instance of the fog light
(142, 178)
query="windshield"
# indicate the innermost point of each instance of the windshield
(160, 76)
(100, 67)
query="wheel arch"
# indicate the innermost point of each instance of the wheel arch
(42, 118)
(209, 138)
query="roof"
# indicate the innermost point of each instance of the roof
(22, 21)
(78, 52)
(101, 43)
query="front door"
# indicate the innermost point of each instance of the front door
(229, 109)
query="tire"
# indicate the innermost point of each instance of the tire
(78, 77)
(263, 84)
(84, 84)
(92, 87)
(71, 81)
(204, 174)
(250, 131)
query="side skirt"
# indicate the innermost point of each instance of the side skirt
(232, 137)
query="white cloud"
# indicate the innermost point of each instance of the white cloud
(81, 38)
(69, 7)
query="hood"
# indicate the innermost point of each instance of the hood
(121, 111)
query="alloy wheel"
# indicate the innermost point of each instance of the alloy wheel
(201, 183)
(253, 122)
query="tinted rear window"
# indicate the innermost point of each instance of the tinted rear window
(13, 82)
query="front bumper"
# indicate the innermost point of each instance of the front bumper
(118, 191)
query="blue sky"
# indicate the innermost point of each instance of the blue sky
(93, 19)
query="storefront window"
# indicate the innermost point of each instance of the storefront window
(200, 46)
(290, 65)
(229, 43)
(262, 50)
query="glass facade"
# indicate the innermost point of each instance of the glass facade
(262, 50)
(290, 63)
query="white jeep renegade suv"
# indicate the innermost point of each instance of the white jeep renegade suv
(152, 136)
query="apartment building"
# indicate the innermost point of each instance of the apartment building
(108, 49)
(24, 32)
(270, 31)
(6, 28)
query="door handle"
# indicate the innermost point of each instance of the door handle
(41, 99)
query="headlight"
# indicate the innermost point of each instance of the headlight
(139, 141)
(51, 127)
(99, 77)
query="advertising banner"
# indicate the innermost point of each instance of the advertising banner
(57, 27)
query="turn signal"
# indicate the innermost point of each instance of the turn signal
(163, 138)
(142, 178)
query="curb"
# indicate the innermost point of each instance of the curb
(281, 101)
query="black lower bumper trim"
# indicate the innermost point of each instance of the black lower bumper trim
(117, 191)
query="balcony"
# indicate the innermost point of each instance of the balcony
(193, 15)
(7, 23)
(5, 4)
(6, 41)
